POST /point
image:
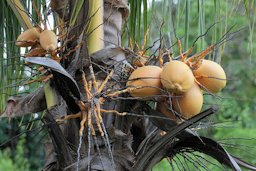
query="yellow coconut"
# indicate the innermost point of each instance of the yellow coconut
(211, 76)
(48, 40)
(146, 80)
(163, 108)
(189, 103)
(177, 77)
(28, 38)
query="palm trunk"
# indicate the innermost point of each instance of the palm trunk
(113, 16)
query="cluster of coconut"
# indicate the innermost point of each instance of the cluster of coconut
(41, 41)
(182, 86)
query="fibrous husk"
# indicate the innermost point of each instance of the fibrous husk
(121, 5)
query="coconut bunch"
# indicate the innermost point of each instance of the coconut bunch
(41, 42)
(177, 87)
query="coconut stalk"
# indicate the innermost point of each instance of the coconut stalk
(19, 10)
(50, 95)
(95, 28)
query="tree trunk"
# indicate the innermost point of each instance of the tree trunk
(61, 148)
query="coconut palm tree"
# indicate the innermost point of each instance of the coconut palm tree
(91, 121)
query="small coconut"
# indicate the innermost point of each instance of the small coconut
(28, 38)
(177, 77)
(189, 103)
(211, 76)
(146, 80)
(163, 108)
(48, 40)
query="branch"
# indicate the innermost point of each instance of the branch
(158, 150)
(19, 106)
(208, 147)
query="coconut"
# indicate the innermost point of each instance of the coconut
(163, 108)
(28, 38)
(189, 103)
(146, 81)
(211, 76)
(48, 40)
(177, 77)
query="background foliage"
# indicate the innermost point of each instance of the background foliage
(21, 139)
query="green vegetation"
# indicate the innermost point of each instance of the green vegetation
(19, 162)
